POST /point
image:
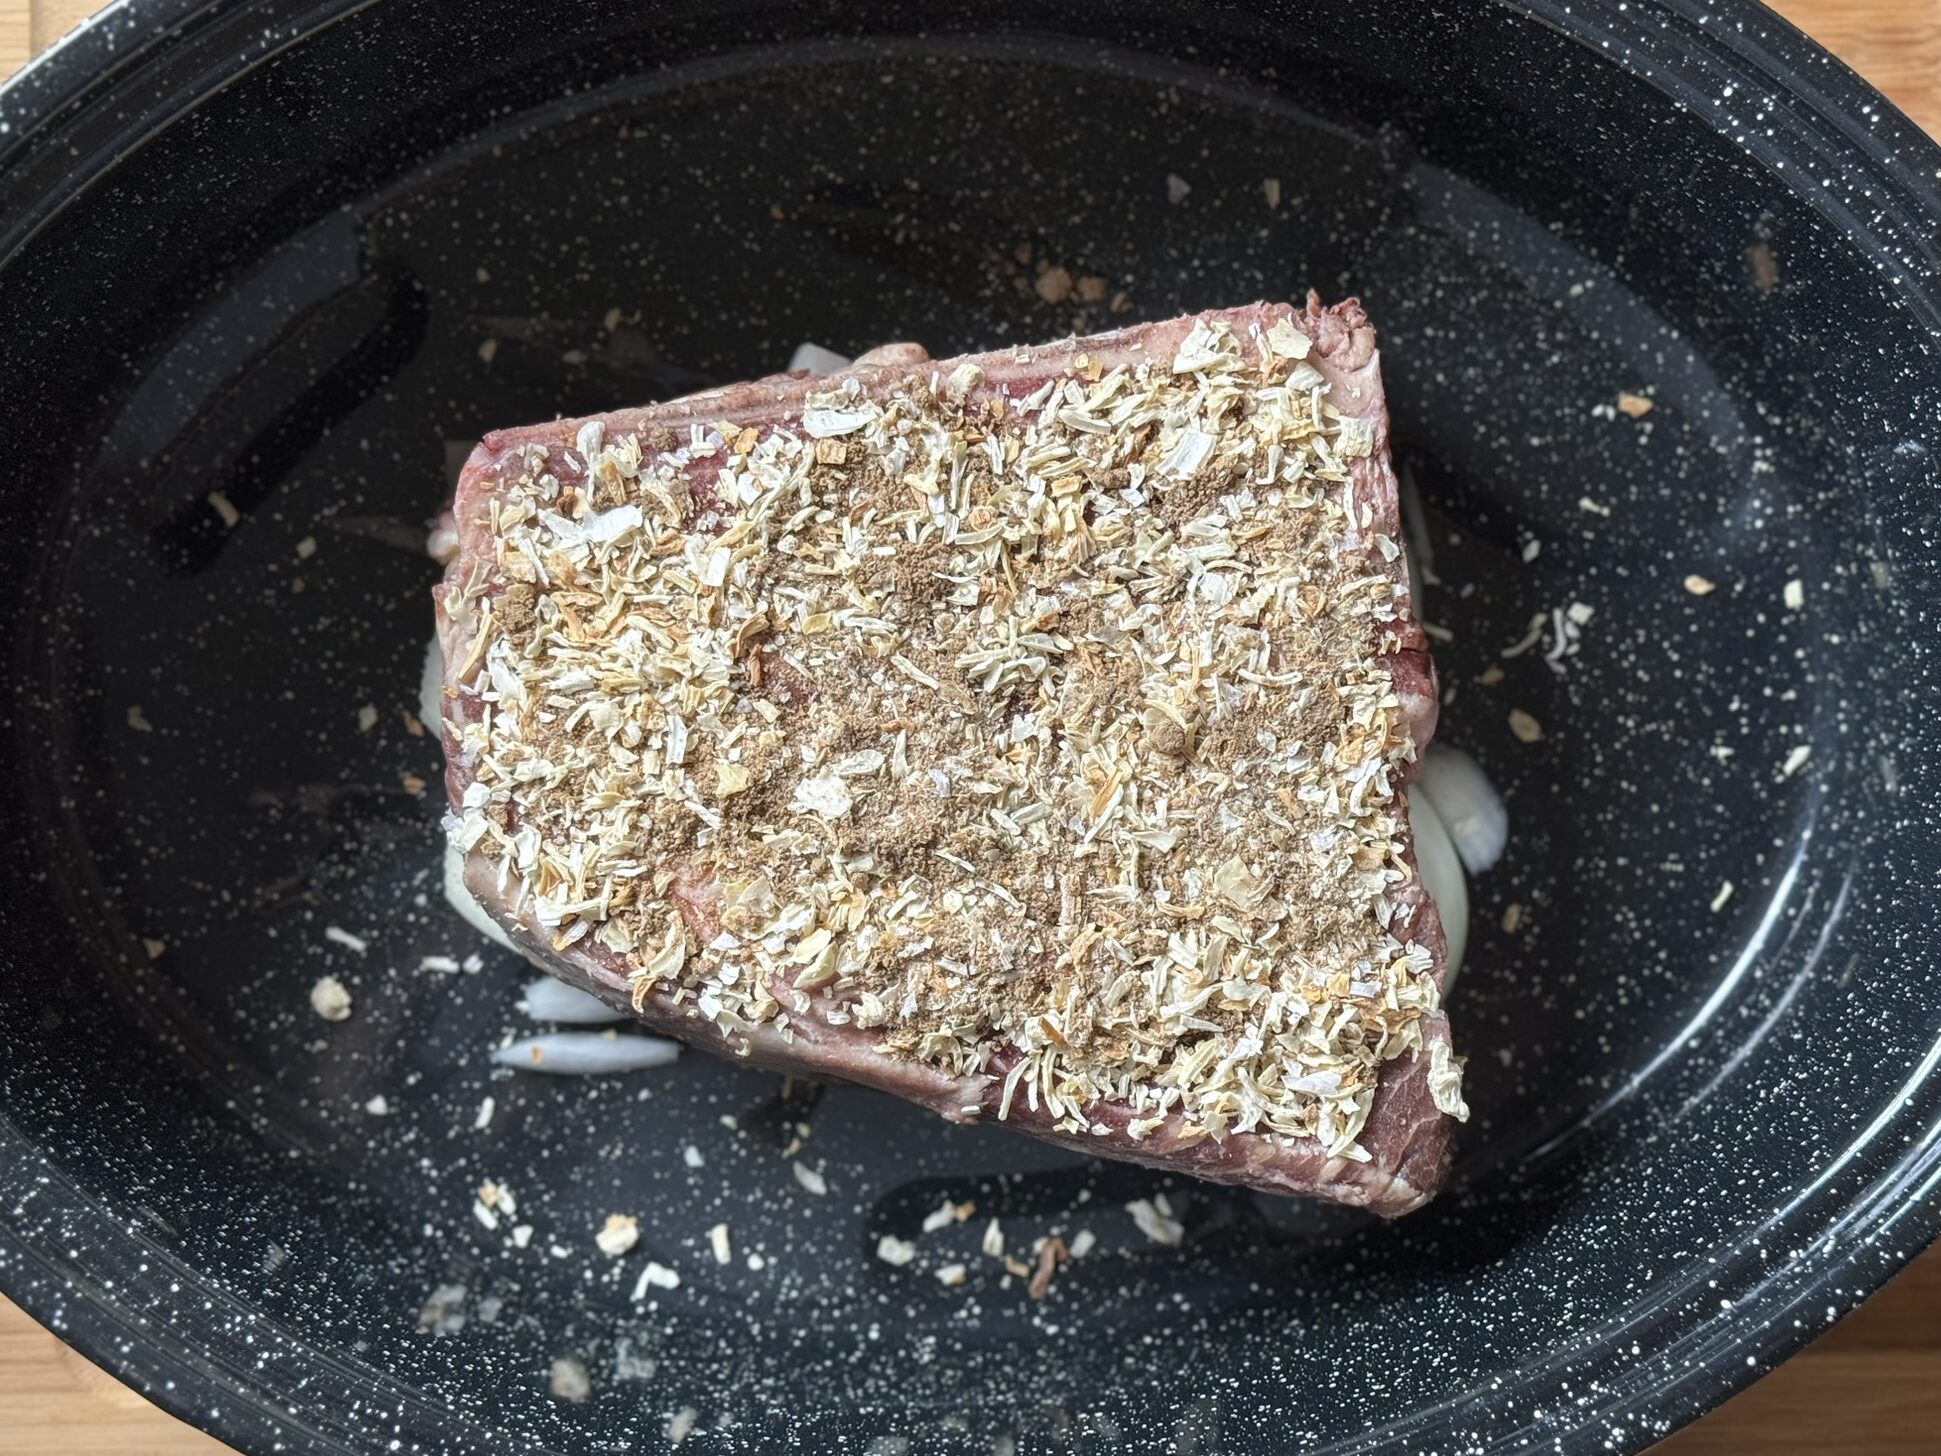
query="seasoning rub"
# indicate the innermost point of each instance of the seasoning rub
(1050, 737)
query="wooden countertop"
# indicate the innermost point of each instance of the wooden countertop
(1869, 1387)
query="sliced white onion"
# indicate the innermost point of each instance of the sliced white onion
(586, 1053)
(548, 999)
(462, 900)
(1442, 877)
(1471, 810)
(817, 360)
(1417, 554)
(431, 689)
(431, 713)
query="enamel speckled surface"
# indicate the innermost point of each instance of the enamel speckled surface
(1700, 1133)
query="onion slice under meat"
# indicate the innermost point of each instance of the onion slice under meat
(1442, 878)
(548, 999)
(468, 907)
(817, 360)
(1471, 810)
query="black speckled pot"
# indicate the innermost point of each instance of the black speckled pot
(291, 252)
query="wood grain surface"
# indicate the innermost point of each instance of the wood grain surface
(1869, 1387)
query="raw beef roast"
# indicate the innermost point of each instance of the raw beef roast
(1023, 734)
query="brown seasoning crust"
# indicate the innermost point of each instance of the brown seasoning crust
(1025, 734)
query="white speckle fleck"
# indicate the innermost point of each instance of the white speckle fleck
(1083, 1242)
(993, 1244)
(1724, 894)
(366, 718)
(154, 947)
(1794, 595)
(1154, 1216)
(225, 508)
(439, 963)
(1532, 549)
(488, 349)
(681, 1424)
(618, 1234)
(443, 1312)
(329, 999)
(1271, 189)
(1177, 187)
(306, 548)
(344, 938)
(138, 720)
(1796, 760)
(378, 1106)
(952, 1274)
(892, 1250)
(691, 1155)
(811, 1179)
(1054, 285)
(568, 1380)
(521, 1235)
(655, 1276)
(719, 1242)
